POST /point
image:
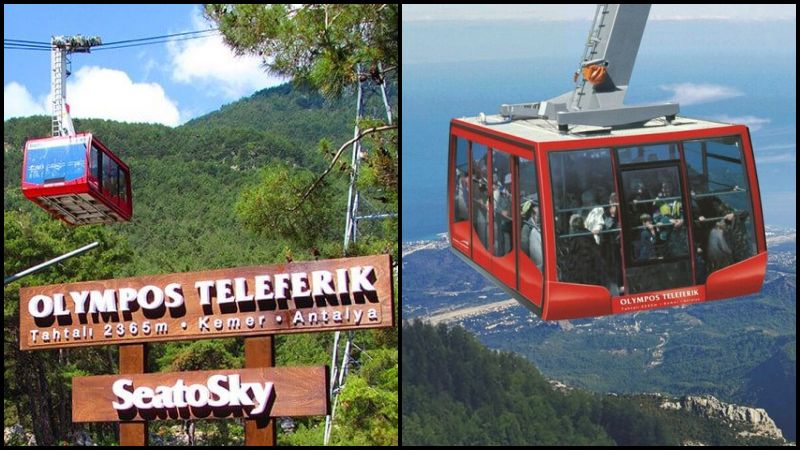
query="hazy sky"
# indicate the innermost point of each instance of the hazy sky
(580, 12)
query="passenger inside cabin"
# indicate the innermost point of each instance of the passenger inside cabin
(579, 259)
(645, 247)
(672, 239)
(530, 233)
(462, 195)
(502, 215)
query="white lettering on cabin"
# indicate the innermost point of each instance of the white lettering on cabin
(228, 390)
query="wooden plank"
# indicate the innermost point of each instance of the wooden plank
(259, 352)
(132, 359)
(340, 294)
(296, 391)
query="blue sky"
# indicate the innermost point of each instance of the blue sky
(166, 83)
(730, 63)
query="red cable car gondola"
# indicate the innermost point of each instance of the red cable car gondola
(631, 208)
(77, 179)
(73, 176)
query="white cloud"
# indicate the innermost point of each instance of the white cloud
(776, 159)
(774, 147)
(755, 123)
(691, 94)
(110, 94)
(18, 102)
(212, 66)
(97, 92)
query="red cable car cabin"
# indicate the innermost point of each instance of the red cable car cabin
(602, 221)
(77, 179)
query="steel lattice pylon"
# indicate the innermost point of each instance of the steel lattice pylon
(358, 209)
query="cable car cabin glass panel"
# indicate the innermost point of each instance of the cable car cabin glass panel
(504, 261)
(586, 218)
(123, 187)
(481, 169)
(721, 204)
(94, 161)
(530, 233)
(460, 229)
(56, 161)
(110, 183)
(657, 252)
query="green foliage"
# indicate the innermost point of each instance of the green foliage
(368, 403)
(264, 208)
(457, 392)
(186, 182)
(313, 43)
(39, 384)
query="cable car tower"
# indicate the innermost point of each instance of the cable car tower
(358, 209)
(61, 68)
(604, 73)
(74, 176)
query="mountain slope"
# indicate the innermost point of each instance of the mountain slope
(213, 158)
(457, 392)
(739, 350)
(186, 181)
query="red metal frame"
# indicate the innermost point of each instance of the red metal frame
(566, 300)
(83, 185)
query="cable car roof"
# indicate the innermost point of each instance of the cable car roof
(541, 130)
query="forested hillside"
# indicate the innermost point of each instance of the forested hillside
(186, 184)
(457, 392)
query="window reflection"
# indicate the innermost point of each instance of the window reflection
(586, 218)
(501, 196)
(531, 226)
(480, 194)
(721, 204)
(461, 181)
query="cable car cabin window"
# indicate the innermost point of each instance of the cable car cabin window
(460, 228)
(721, 204)
(656, 237)
(648, 153)
(57, 161)
(93, 163)
(110, 176)
(501, 195)
(480, 194)
(122, 186)
(530, 238)
(586, 218)
(461, 180)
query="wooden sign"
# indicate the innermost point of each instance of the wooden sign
(338, 294)
(210, 394)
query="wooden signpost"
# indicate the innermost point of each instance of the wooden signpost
(339, 294)
(256, 302)
(208, 394)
